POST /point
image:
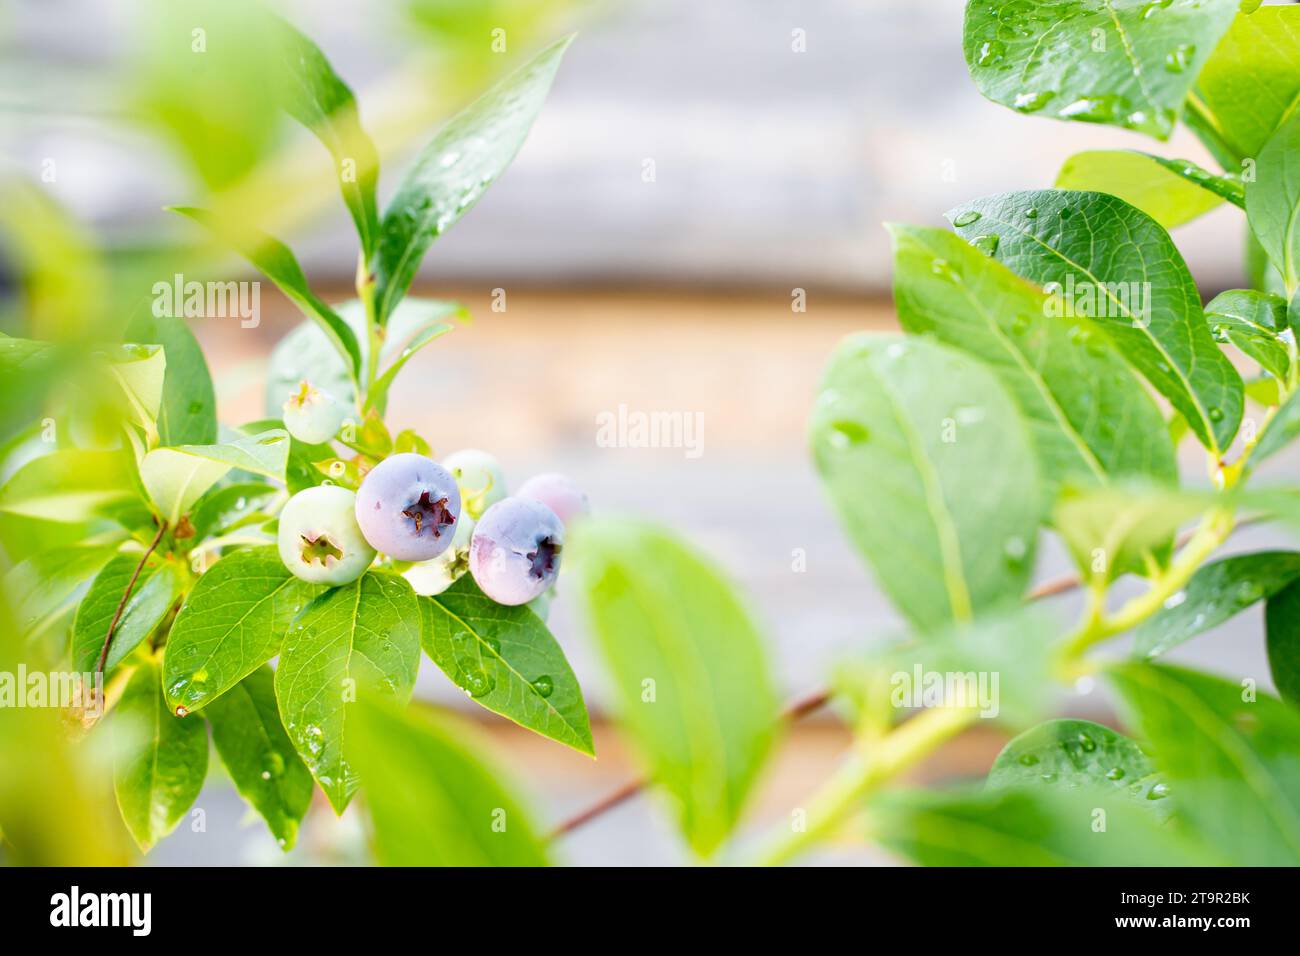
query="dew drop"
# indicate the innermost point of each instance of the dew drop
(966, 218)
(1158, 792)
(544, 685)
(990, 52)
(1032, 102)
(181, 711)
(845, 434)
(986, 244)
(1216, 414)
(1115, 773)
(1028, 760)
(1087, 743)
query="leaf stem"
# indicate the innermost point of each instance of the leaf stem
(863, 773)
(126, 595)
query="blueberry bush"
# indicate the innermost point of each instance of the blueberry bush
(1055, 358)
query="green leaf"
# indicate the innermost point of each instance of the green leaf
(1251, 321)
(1170, 191)
(455, 169)
(1280, 431)
(1069, 754)
(157, 588)
(70, 485)
(1273, 201)
(1215, 593)
(228, 507)
(1115, 264)
(233, 621)
(44, 587)
(432, 800)
(691, 679)
(1127, 63)
(1089, 417)
(1021, 827)
(1282, 625)
(1249, 83)
(377, 397)
(1229, 754)
(1118, 530)
(24, 356)
(318, 98)
(899, 430)
(177, 477)
(304, 353)
(160, 760)
(300, 467)
(507, 661)
(352, 641)
(277, 262)
(188, 411)
(256, 751)
(137, 373)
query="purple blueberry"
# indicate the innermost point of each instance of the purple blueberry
(514, 554)
(408, 506)
(558, 493)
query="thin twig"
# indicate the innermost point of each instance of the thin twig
(801, 707)
(126, 595)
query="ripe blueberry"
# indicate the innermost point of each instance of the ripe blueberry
(479, 476)
(408, 506)
(437, 574)
(312, 416)
(319, 539)
(514, 553)
(558, 493)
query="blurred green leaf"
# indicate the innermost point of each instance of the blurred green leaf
(70, 485)
(318, 98)
(1088, 415)
(455, 169)
(506, 660)
(209, 74)
(431, 798)
(1170, 191)
(277, 263)
(1145, 299)
(188, 409)
(691, 678)
(1230, 754)
(352, 641)
(177, 477)
(1094, 61)
(161, 760)
(156, 590)
(899, 430)
(263, 765)
(233, 621)
(1116, 530)
(44, 587)
(1017, 827)
(1282, 625)
(1217, 592)
(64, 282)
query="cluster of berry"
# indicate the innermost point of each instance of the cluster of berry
(442, 519)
